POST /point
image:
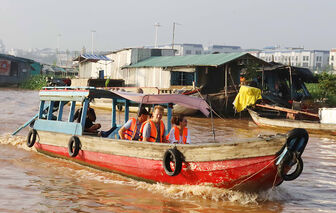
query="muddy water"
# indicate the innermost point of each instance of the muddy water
(32, 182)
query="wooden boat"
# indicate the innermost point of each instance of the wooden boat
(250, 165)
(178, 109)
(310, 125)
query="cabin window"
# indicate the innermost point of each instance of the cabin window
(182, 78)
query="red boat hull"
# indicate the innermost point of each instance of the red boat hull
(249, 174)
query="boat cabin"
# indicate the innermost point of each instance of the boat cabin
(282, 84)
(53, 99)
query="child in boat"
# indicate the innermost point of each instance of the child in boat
(179, 132)
(154, 129)
(90, 118)
(131, 129)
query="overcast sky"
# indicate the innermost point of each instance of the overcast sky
(125, 23)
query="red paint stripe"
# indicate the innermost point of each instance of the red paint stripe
(223, 174)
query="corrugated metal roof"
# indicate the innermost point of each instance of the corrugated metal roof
(188, 60)
(96, 57)
(14, 58)
(92, 57)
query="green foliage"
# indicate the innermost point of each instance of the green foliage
(314, 90)
(325, 90)
(107, 82)
(327, 83)
(35, 82)
(251, 71)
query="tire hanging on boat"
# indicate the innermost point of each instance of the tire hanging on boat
(31, 138)
(296, 142)
(289, 161)
(172, 155)
(73, 146)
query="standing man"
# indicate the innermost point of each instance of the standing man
(131, 129)
(154, 129)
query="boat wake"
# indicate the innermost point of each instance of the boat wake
(203, 192)
(18, 141)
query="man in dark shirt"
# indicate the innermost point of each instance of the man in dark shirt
(90, 118)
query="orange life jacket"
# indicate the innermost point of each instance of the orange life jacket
(177, 134)
(130, 133)
(153, 134)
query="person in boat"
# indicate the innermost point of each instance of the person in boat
(90, 118)
(179, 132)
(131, 129)
(153, 130)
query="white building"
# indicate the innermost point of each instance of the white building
(332, 59)
(222, 49)
(185, 49)
(313, 59)
(110, 65)
(130, 56)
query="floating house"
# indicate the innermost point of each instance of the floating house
(217, 75)
(14, 70)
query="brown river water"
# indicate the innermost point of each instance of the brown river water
(33, 182)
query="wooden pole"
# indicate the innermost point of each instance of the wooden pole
(290, 79)
(225, 86)
(262, 79)
(212, 122)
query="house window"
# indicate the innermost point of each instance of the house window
(198, 52)
(182, 78)
(332, 57)
(188, 52)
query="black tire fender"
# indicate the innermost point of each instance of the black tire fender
(289, 161)
(172, 155)
(297, 134)
(31, 138)
(74, 146)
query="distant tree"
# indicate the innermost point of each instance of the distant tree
(327, 84)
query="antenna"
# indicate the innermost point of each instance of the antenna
(156, 25)
(92, 31)
(174, 23)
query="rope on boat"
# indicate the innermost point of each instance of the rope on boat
(275, 177)
(256, 174)
(209, 106)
